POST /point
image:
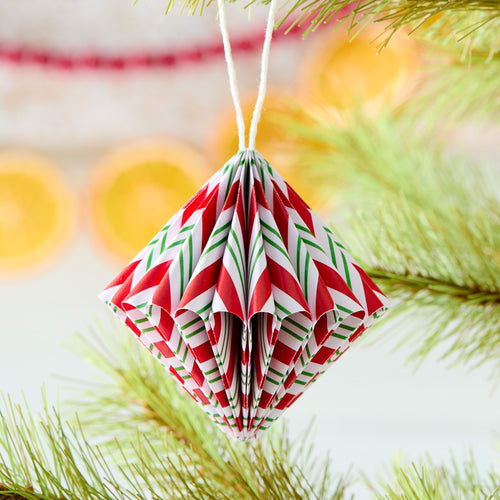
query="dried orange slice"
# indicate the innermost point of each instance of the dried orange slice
(344, 72)
(274, 140)
(136, 189)
(35, 211)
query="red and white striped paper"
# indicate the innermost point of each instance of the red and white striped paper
(245, 296)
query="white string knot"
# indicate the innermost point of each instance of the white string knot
(232, 75)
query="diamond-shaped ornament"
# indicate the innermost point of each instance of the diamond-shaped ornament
(245, 296)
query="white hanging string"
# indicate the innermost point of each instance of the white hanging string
(264, 66)
(232, 74)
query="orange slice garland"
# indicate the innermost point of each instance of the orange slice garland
(345, 71)
(35, 212)
(135, 189)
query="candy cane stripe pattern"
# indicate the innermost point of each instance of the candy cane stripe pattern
(245, 296)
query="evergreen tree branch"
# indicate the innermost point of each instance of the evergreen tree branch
(44, 458)
(437, 482)
(473, 34)
(442, 301)
(473, 21)
(52, 460)
(429, 232)
(137, 390)
(457, 88)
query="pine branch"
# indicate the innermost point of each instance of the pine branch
(413, 283)
(476, 21)
(442, 281)
(437, 482)
(456, 88)
(47, 459)
(473, 34)
(429, 233)
(51, 460)
(43, 460)
(138, 391)
(394, 155)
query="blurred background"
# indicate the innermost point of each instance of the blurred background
(113, 114)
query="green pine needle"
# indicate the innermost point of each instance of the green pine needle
(458, 89)
(45, 458)
(428, 232)
(139, 391)
(474, 22)
(473, 34)
(437, 482)
(443, 276)
(52, 460)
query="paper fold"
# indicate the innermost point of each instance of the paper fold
(245, 296)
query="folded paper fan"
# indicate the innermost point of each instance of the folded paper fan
(245, 296)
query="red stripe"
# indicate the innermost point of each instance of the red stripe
(202, 396)
(151, 279)
(287, 400)
(373, 303)
(260, 295)
(194, 203)
(301, 206)
(214, 333)
(286, 282)
(283, 353)
(124, 274)
(202, 352)
(229, 294)
(197, 375)
(209, 217)
(235, 330)
(280, 215)
(164, 349)
(324, 301)
(199, 283)
(357, 333)
(162, 296)
(128, 322)
(265, 399)
(166, 325)
(321, 332)
(178, 377)
(323, 355)
(332, 279)
(222, 398)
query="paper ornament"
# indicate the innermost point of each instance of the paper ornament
(245, 296)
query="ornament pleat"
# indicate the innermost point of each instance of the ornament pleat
(245, 296)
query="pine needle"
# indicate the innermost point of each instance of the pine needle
(441, 276)
(473, 22)
(49, 459)
(456, 91)
(139, 392)
(45, 458)
(427, 229)
(429, 481)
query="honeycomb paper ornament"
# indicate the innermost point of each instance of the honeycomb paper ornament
(245, 296)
